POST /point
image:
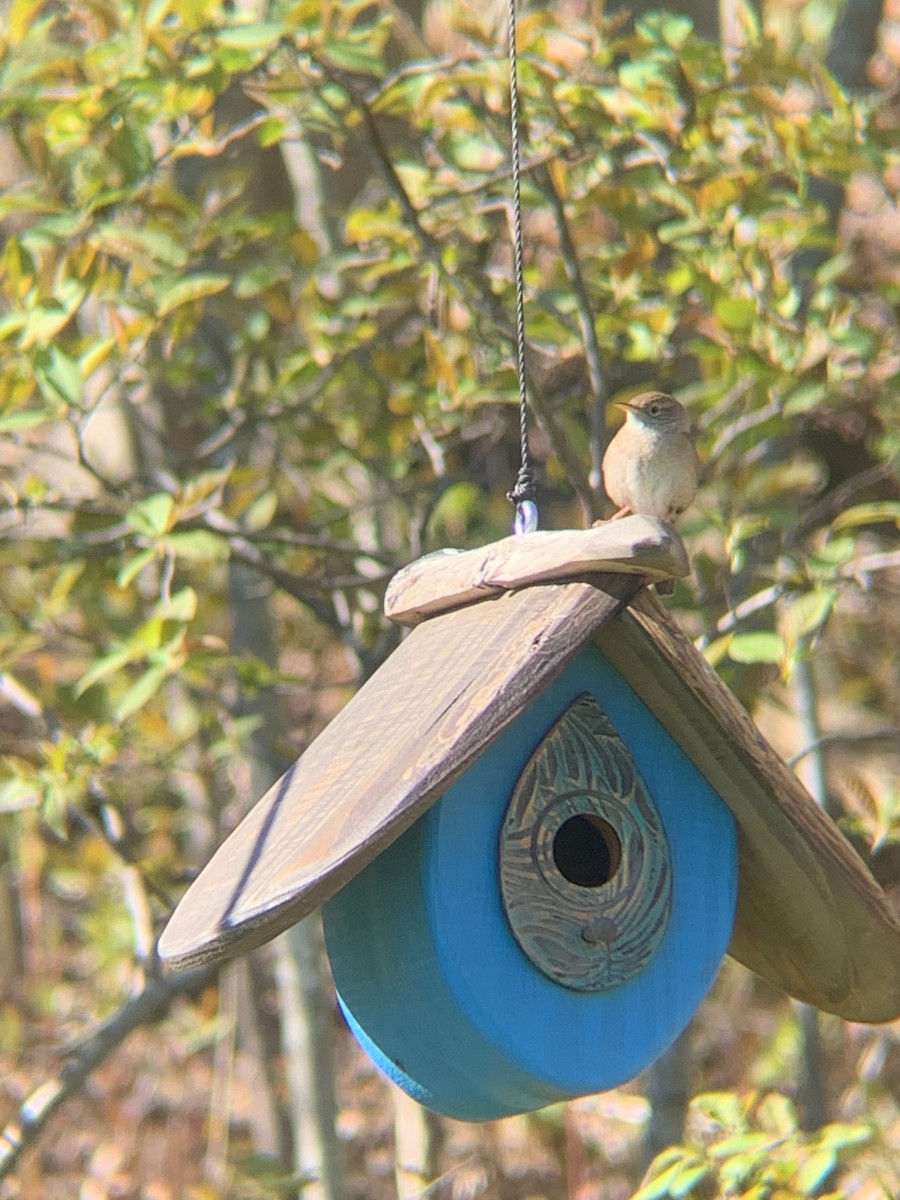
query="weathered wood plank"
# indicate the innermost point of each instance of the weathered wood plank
(811, 919)
(439, 582)
(444, 695)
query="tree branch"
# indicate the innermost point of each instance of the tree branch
(147, 1008)
(592, 352)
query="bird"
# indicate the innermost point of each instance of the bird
(650, 466)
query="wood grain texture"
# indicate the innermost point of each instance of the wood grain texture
(444, 695)
(439, 582)
(587, 936)
(811, 919)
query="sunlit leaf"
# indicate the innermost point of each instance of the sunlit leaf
(95, 356)
(21, 18)
(18, 422)
(153, 515)
(813, 1173)
(761, 647)
(658, 1187)
(868, 514)
(58, 376)
(17, 794)
(257, 36)
(133, 567)
(200, 488)
(806, 614)
(45, 322)
(736, 313)
(840, 1135)
(142, 690)
(717, 649)
(198, 545)
(260, 513)
(186, 291)
(106, 666)
(181, 606)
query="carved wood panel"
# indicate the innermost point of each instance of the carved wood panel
(585, 869)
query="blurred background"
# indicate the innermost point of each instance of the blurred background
(256, 353)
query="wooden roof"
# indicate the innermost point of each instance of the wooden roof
(811, 918)
(493, 626)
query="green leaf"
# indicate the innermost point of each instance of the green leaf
(815, 1171)
(186, 291)
(260, 513)
(656, 1189)
(271, 131)
(716, 650)
(868, 514)
(840, 1135)
(198, 545)
(54, 807)
(736, 313)
(17, 794)
(200, 487)
(181, 607)
(144, 689)
(18, 422)
(58, 376)
(742, 1143)
(354, 56)
(805, 397)
(761, 647)
(44, 322)
(11, 323)
(152, 516)
(127, 242)
(134, 566)
(104, 667)
(258, 36)
(670, 28)
(807, 613)
(688, 1178)
(641, 74)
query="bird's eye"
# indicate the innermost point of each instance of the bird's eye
(654, 410)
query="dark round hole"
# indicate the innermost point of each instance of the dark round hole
(587, 850)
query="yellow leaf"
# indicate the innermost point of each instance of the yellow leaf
(22, 15)
(195, 287)
(91, 359)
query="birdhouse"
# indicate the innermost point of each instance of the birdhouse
(537, 830)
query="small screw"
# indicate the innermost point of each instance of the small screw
(602, 929)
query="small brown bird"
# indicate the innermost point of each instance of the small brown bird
(650, 466)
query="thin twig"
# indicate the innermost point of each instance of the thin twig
(835, 501)
(567, 457)
(593, 355)
(247, 555)
(748, 607)
(813, 1100)
(147, 1008)
(874, 738)
(445, 67)
(481, 302)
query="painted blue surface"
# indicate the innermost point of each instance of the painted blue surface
(435, 986)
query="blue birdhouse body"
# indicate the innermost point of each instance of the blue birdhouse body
(537, 829)
(430, 974)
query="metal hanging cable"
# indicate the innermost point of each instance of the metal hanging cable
(523, 493)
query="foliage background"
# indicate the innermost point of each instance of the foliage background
(255, 321)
